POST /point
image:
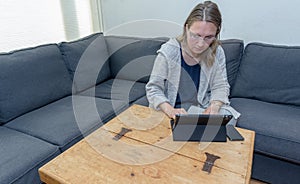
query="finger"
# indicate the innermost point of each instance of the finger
(173, 117)
(206, 111)
(183, 111)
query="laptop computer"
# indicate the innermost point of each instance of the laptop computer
(200, 127)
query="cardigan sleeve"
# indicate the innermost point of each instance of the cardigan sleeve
(156, 87)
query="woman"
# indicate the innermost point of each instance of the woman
(189, 72)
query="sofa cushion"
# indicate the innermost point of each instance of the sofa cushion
(276, 126)
(118, 89)
(86, 60)
(274, 170)
(31, 78)
(269, 73)
(142, 101)
(233, 52)
(132, 58)
(64, 122)
(21, 156)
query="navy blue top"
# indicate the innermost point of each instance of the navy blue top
(188, 85)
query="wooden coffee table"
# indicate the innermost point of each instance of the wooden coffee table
(137, 147)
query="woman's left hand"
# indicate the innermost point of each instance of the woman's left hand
(213, 108)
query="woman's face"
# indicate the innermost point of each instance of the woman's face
(200, 35)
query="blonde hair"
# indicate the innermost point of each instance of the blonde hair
(209, 12)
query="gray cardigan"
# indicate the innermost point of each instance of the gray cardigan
(164, 80)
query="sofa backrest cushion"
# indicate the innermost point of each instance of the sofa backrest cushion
(269, 73)
(132, 58)
(31, 78)
(86, 60)
(233, 49)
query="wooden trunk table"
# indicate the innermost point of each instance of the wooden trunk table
(137, 147)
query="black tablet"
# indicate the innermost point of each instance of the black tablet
(202, 119)
(200, 127)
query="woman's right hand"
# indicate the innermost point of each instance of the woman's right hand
(171, 111)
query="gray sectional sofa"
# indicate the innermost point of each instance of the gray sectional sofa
(52, 95)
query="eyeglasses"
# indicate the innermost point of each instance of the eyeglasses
(196, 37)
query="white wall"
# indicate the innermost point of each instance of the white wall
(35, 22)
(24, 23)
(268, 21)
(145, 17)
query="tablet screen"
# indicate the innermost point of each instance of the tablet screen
(200, 127)
(202, 119)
